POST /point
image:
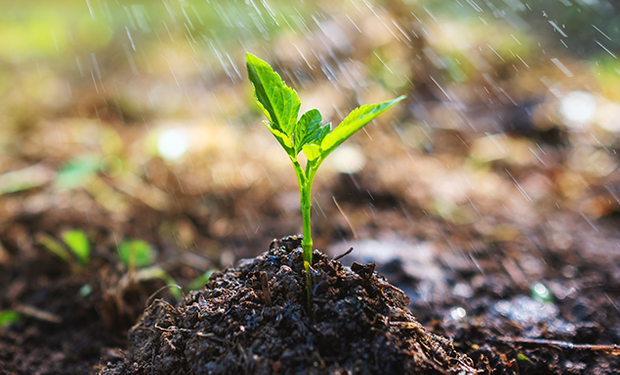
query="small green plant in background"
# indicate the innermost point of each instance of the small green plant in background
(199, 282)
(77, 243)
(135, 254)
(138, 254)
(8, 317)
(281, 106)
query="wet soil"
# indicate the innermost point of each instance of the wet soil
(527, 306)
(70, 318)
(63, 334)
(484, 302)
(254, 318)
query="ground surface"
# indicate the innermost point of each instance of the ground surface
(493, 316)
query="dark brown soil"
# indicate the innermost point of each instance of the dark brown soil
(68, 342)
(505, 326)
(253, 319)
(60, 331)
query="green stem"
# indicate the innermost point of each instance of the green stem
(305, 198)
(306, 205)
(306, 242)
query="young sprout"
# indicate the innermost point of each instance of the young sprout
(138, 256)
(199, 282)
(78, 244)
(306, 133)
(8, 317)
(135, 253)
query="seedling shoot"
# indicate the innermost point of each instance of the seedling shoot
(306, 133)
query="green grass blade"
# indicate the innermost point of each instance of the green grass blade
(158, 273)
(200, 282)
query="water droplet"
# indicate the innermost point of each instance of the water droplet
(540, 292)
(458, 313)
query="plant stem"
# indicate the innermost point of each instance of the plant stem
(306, 205)
(305, 199)
(306, 242)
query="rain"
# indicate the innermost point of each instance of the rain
(491, 193)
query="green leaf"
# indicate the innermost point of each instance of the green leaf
(8, 317)
(77, 171)
(312, 151)
(79, 245)
(136, 253)
(283, 139)
(325, 130)
(279, 102)
(356, 120)
(307, 130)
(200, 282)
(158, 273)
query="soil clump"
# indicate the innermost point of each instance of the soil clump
(253, 318)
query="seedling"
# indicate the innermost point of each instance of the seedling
(199, 282)
(77, 242)
(281, 104)
(8, 317)
(135, 253)
(77, 172)
(139, 254)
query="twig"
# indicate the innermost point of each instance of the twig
(344, 254)
(150, 299)
(37, 313)
(612, 349)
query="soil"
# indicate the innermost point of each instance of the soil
(62, 328)
(503, 327)
(254, 319)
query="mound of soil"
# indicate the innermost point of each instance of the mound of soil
(253, 319)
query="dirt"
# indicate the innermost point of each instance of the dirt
(528, 306)
(69, 318)
(254, 318)
(506, 327)
(60, 331)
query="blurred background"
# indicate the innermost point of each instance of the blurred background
(129, 127)
(135, 119)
